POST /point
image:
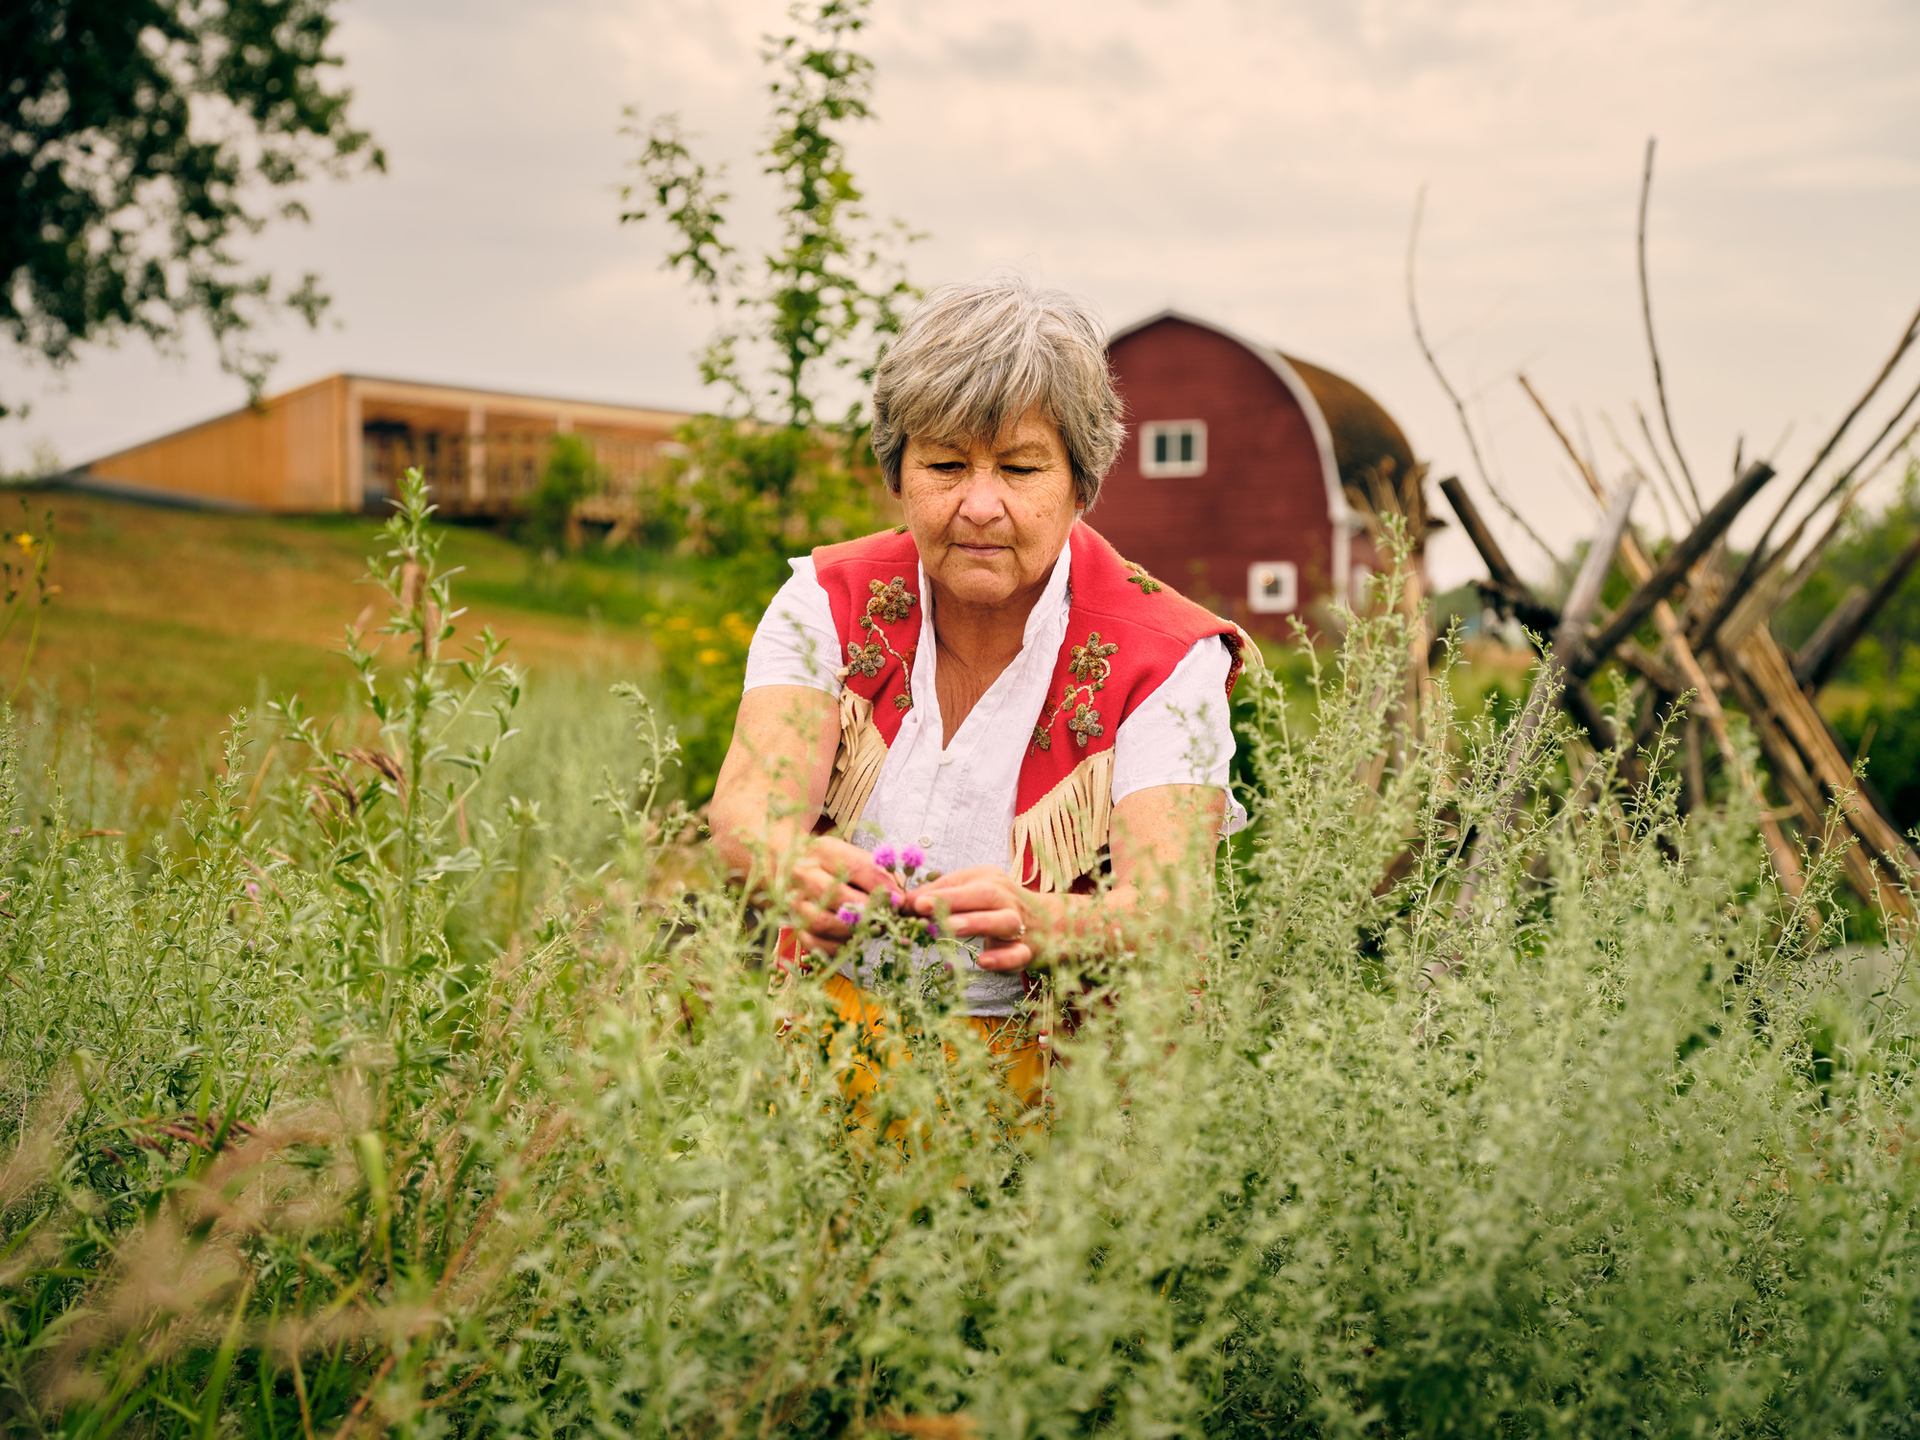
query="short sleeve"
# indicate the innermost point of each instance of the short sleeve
(794, 643)
(1182, 734)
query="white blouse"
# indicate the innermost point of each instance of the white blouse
(956, 802)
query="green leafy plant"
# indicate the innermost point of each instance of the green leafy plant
(831, 289)
(1456, 1115)
(140, 140)
(571, 473)
(25, 589)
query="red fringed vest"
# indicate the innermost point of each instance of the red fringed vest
(1126, 632)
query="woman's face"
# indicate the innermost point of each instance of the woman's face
(989, 516)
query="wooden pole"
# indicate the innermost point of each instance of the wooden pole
(1491, 555)
(1573, 618)
(1672, 568)
(1811, 667)
(1786, 858)
(1814, 670)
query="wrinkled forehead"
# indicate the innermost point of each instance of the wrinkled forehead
(1033, 429)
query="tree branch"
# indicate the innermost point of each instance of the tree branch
(1646, 314)
(1433, 364)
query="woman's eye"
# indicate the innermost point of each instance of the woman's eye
(948, 467)
(1020, 469)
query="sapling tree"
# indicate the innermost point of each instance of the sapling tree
(818, 303)
(393, 829)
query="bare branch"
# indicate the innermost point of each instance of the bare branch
(1706, 706)
(1692, 512)
(1841, 480)
(1760, 554)
(1433, 364)
(1835, 641)
(1673, 567)
(1661, 492)
(1762, 563)
(1646, 313)
(1804, 568)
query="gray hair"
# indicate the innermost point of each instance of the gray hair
(976, 356)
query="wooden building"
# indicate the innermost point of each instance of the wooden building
(341, 443)
(1245, 471)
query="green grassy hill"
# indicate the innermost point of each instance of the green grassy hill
(167, 621)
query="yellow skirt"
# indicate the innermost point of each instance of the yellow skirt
(1023, 1056)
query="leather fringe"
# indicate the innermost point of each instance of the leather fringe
(857, 763)
(1061, 835)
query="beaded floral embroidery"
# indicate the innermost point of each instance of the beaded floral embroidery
(1148, 585)
(1090, 663)
(1085, 725)
(865, 659)
(888, 602)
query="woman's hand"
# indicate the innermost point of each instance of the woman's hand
(986, 901)
(829, 875)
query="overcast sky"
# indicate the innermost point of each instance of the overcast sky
(1255, 164)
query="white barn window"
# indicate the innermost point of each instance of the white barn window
(1173, 447)
(1273, 587)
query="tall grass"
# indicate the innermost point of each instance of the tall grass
(355, 1109)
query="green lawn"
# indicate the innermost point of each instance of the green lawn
(167, 621)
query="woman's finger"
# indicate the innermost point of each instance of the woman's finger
(1002, 924)
(848, 862)
(982, 894)
(969, 875)
(815, 944)
(827, 890)
(1014, 955)
(815, 920)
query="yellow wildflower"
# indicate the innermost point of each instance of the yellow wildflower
(710, 656)
(25, 541)
(679, 622)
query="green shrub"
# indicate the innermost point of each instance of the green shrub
(759, 493)
(570, 474)
(303, 1127)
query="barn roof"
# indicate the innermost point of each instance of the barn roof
(1364, 435)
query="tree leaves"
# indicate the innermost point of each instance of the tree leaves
(139, 139)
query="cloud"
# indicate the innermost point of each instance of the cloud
(1252, 162)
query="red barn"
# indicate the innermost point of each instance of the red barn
(1244, 471)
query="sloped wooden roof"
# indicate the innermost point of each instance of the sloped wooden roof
(1367, 442)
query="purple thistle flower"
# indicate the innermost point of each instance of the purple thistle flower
(886, 857)
(913, 857)
(848, 915)
(933, 929)
(896, 899)
(253, 890)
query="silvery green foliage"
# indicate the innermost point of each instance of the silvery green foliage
(304, 1125)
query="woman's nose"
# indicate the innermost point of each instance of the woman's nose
(982, 502)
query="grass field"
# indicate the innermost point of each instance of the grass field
(434, 1085)
(167, 621)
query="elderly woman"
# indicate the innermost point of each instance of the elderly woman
(991, 683)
